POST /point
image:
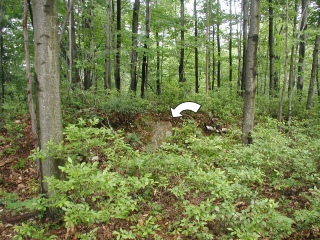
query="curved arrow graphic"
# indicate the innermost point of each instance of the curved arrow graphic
(185, 106)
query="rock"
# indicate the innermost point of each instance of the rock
(160, 131)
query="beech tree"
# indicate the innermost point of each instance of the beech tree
(47, 69)
(250, 72)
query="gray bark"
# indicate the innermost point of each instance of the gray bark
(47, 70)
(250, 73)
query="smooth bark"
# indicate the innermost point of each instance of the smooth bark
(47, 68)
(250, 73)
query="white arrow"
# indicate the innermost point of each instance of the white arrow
(185, 106)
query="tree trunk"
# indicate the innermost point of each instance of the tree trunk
(245, 39)
(285, 67)
(230, 44)
(87, 69)
(181, 65)
(239, 48)
(107, 77)
(302, 46)
(196, 54)
(213, 59)
(158, 65)
(117, 61)
(93, 54)
(292, 64)
(250, 72)
(208, 47)
(144, 77)
(134, 54)
(28, 75)
(219, 46)
(2, 55)
(315, 66)
(46, 44)
(271, 50)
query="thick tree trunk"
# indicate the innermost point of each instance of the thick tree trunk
(181, 65)
(117, 60)
(315, 66)
(107, 77)
(196, 54)
(134, 54)
(250, 84)
(46, 44)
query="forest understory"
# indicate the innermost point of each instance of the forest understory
(198, 185)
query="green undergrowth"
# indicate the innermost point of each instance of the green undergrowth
(193, 187)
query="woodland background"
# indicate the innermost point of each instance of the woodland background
(79, 110)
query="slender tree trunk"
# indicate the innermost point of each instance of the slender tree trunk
(213, 58)
(239, 48)
(144, 77)
(196, 54)
(28, 75)
(107, 77)
(134, 54)
(292, 64)
(2, 54)
(87, 69)
(2, 68)
(315, 66)
(93, 50)
(302, 46)
(117, 60)
(230, 44)
(208, 47)
(271, 50)
(219, 46)
(245, 39)
(250, 84)
(181, 66)
(46, 44)
(158, 81)
(285, 67)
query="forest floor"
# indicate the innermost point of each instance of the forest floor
(19, 176)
